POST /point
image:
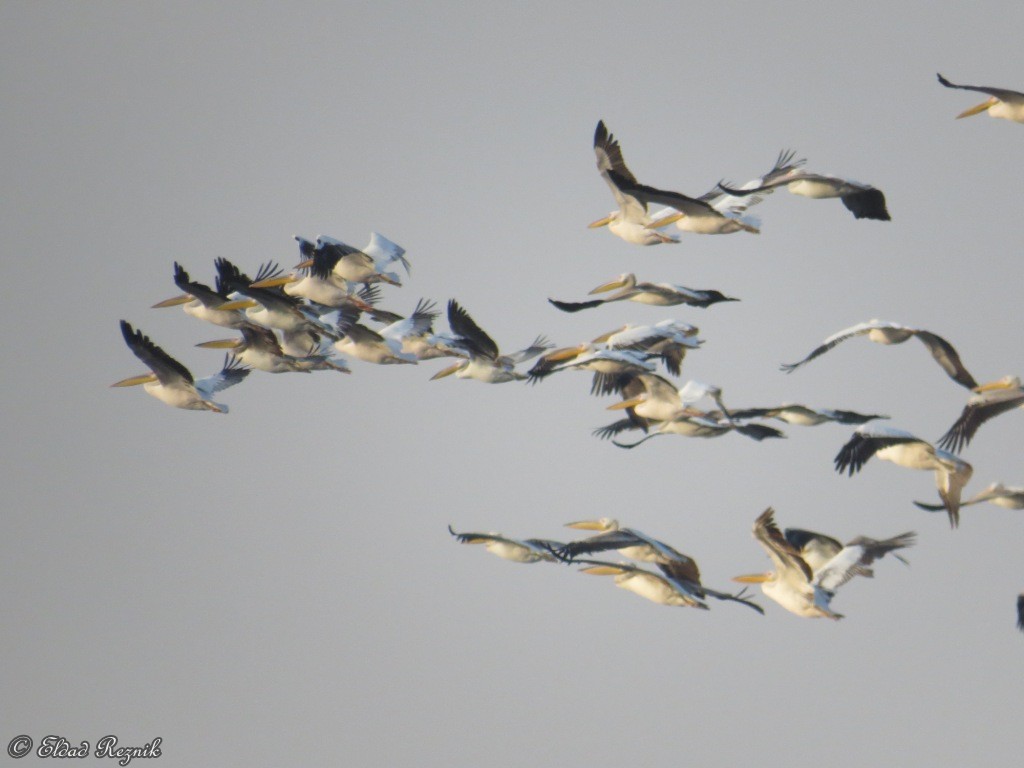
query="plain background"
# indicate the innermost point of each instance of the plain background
(277, 586)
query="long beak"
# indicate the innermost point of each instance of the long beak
(185, 298)
(633, 403)
(144, 378)
(753, 578)
(566, 353)
(978, 108)
(304, 264)
(275, 282)
(664, 221)
(387, 279)
(601, 222)
(602, 570)
(586, 525)
(998, 384)
(610, 286)
(448, 371)
(238, 304)
(221, 344)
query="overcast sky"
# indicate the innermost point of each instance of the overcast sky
(277, 586)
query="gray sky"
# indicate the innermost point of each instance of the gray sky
(277, 585)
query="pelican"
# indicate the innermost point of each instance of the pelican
(607, 364)
(628, 541)
(803, 416)
(484, 362)
(862, 200)
(687, 425)
(988, 401)
(385, 347)
(171, 382)
(260, 349)
(268, 307)
(805, 589)
(887, 332)
(354, 265)
(1001, 495)
(1008, 105)
(322, 285)
(669, 340)
(630, 221)
(516, 550)
(731, 207)
(650, 398)
(202, 302)
(627, 288)
(907, 450)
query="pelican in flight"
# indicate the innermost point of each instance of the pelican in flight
(731, 207)
(387, 346)
(516, 550)
(907, 450)
(627, 288)
(202, 302)
(630, 220)
(1001, 102)
(483, 360)
(607, 364)
(1001, 495)
(260, 349)
(988, 401)
(886, 332)
(810, 567)
(650, 399)
(708, 424)
(171, 382)
(802, 416)
(669, 340)
(862, 200)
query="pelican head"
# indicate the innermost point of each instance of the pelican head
(1007, 382)
(977, 109)
(601, 524)
(626, 280)
(605, 221)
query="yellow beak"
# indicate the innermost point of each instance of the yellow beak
(664, 221)
(601, 222)
(239, 304)
(275, 282)
(633, 403)
(144, 378)
(221, 344)
(753, 578)
(448, 371)
(185, 298)
(978, 108)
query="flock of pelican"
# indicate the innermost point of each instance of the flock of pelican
(324, 314)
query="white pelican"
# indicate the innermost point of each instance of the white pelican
(627, 288)
(385, 347)
(260, 349)
(1001, 102)
(802, 588)
(171, 382)
(1001, 495)
(607, 364)
(706, 425)
(202, 302)
(649, 398)
(269, 307)
(987, 402)
(862, 200)
(354, 265)
(887, 332)
(484, 362)
(907, 450)
(516, 550)
(803, 416)
(321, 285)
(630, 221)
(731, 207)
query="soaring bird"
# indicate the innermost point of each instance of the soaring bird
(202, 302)
(1000, 103)
(907, 450)
(483, 360)
(708, 425)
(1001, 495)
(631, 219)
(627, 288)
(863, 200)
(810, 567)
(260, 349)
(732, 207)
(988, 401)
(803, 416)
(516, 550)
(606, 364)
(887, 332)
(171, 382)
(386, 346)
